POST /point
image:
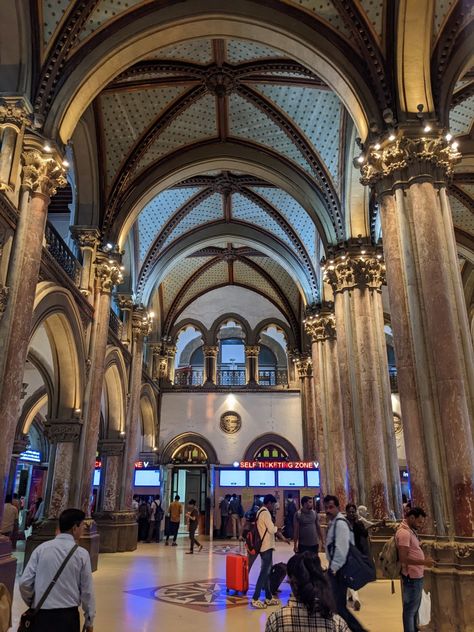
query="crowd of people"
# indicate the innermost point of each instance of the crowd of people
(58, 578)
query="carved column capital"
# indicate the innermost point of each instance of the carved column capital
(407, 159)
(320, 324)
(141, 321)
(15, 111)
(170, 350)
(304, 365)
(85, 237)
(63, 430)
(124, 302)
(210, 351)
(42, 173)
(354, 264)
(111, 447)
(252, 351)
(107, 271)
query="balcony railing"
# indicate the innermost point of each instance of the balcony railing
(273, 377)
(189, 377)
(115, 324)
(231, 377)
(61, 253)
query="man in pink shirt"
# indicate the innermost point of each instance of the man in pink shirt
(413, 562)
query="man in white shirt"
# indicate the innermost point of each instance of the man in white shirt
(267, 531)
(74, 586)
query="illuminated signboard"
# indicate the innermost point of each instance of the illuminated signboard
(261, 478)
(147, 478)
(295, 478)
(31, 455)
(144, 465)
(277, 465)
(313, 478)
(232, 478)
(96, 478)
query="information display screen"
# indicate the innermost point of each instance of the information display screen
(313, 478)
(233, 478)
(261, 478)
(147, 478)
(291, 479)
(96, 478)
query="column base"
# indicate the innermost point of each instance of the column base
(7, 564)
(48, 529)
(451, 583)
(118, 531)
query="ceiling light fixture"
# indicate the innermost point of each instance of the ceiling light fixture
(427, 128)
(448, 136)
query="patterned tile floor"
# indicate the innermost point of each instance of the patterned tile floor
(161, 588)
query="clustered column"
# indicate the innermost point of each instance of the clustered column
(355, 271)
(330, 436)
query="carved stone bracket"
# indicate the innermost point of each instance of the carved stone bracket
(111, 447)
(63, 431)
(15, 111)
(321, 325)
(404, 160)
(352, 265)
(42, 173)
(124, 302)
(107, 271)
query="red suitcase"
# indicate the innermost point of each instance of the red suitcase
(237, 573)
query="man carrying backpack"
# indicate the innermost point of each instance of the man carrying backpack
(236, 513)
(413, 562)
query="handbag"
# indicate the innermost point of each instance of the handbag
(358, 569)
(27, 619)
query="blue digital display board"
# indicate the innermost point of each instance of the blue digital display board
(313, 478)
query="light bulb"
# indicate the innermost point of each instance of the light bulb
(427, 128)
(448, 136)
(391, 137)
(47, 147)
(455, 145)
(377, 146)
(360, 159)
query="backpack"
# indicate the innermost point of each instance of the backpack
(253, 540)
(389, 561)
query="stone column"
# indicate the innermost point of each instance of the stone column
(107, 274)
(251, 364)
(170, 350)
(210, 364)
(19, 445)
(434, 355)
(321, 326)
(155, 364)
(87, 240)
(42, 174)
(355, 271)
(304, 366)
(141, 327)
(15, 114)
(125, 303)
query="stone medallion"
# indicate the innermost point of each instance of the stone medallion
(231, 422)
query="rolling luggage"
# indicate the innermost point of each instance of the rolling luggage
(237, 573)
(277, 575)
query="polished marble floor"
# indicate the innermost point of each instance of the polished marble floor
(162, 588)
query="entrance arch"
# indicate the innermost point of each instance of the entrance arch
(191, 438)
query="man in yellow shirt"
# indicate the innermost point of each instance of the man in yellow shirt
(174, 512)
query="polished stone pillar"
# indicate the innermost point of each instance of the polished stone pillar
(141, 327)
(210, 364)
(305, 373)
(87, 240)
(125, 303)
(107, 274)
(321, 326)
(251, 364)
(170, 351)
(434, 356)
(111, 456)
(355, 271)
(42, 174)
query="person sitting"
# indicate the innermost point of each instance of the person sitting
(311, 606)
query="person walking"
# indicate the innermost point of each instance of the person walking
(290, 511)
(156, 516)
(236, 513)
(174, 512)
(192, 516)
(413, 563)
(143, 520)
(311, 605)
(361, 541)
(73, 586)
(224, 511)
(339, 536)
(307, 530)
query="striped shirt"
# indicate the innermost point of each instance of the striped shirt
(295, 618)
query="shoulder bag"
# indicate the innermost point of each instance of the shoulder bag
(358, 569)
(27, 620)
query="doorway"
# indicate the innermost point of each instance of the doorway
(190, 482)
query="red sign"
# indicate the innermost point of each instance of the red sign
(98, 464)
(277, 465)
(143, 465)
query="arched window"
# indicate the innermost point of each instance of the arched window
(190, 454)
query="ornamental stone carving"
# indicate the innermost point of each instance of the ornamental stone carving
(4, 292)
(86, 237)
(170, 350)
(42, 173)
(409, 159)
(63, 431)
(321, 325)
(210, 351)
(15, 112)
(107, 272)
(354, 267)
(111, 447)
(124, 302)
(304, 366)
(252, 351)
(141, 321)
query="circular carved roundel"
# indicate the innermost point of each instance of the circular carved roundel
(230, 422)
